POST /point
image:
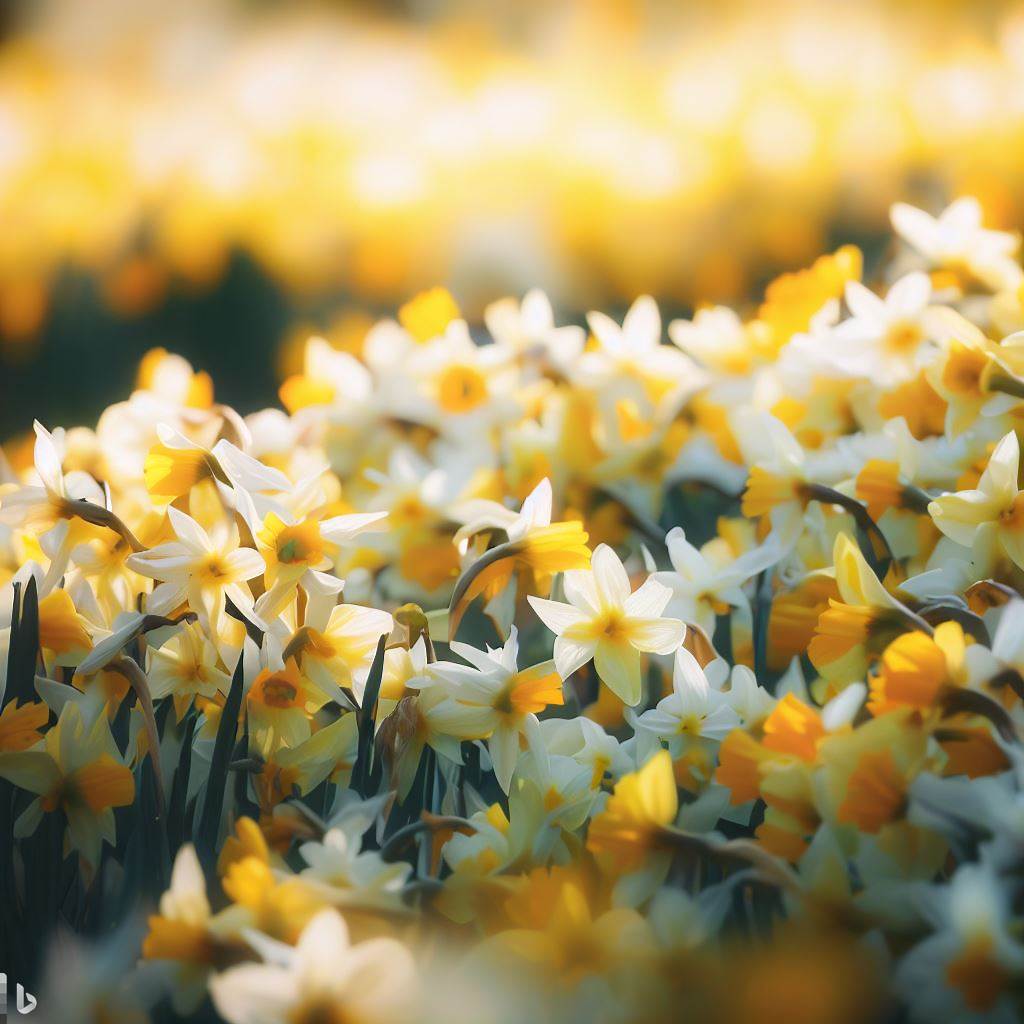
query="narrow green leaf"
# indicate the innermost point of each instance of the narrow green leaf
(179, 788)
(217, 780)
(362, 771)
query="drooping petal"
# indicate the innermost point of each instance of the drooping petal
(618, 665)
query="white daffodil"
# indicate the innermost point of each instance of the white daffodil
(350, 876)
(966, 970)
(200, 569)
(587, 744)
(883, 339)
(692, 711)
(534, 542)
(329, 378)
(492, 699)
(459, 385)
(749, 702)
(322, 978)
(996, 505)
(703, 589)
(634, 351)
(956, 240)
(336, 647)
(186, 666)
(295, 550)
(717, 338)
(605, 622)
(41, 506)
(777, 484)
(529, 327)
(45, 508)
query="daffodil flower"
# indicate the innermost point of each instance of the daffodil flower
(702, 588)
(199, 569)
(995, 505)
(883, 339)
(529, 328)
(956, 241)
(294, 549)
(634, 351)
(607, 623)
(534, 543)
(175, 465)
(351, 876)
(492, 699)
(47, 508)
(966, 965)
(185, 938)
(79, 771)
(323, 977)
(693, 710)
(184, 667)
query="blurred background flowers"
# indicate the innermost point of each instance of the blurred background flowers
(221, 176)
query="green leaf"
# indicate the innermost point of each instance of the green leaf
(363, 769)
(179, 787)
(217, 780)
(24, 646)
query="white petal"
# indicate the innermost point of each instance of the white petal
(642, 325)
(321, 949)
(1000, 476)
(649, 600)
(910, 294)
(689, 682)
(609, 577)
(188, 530)
(558, 617)
(618, 665)
(254, 994)
(656, 636)
(47, 460)
(571, 655)
(342, 528)
(244, 564)
(840, 710)
(503, 747)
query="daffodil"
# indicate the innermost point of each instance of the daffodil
(607, 623)
(971, 372)
(534, 543)
(175, 465)
(199, 569)
(629, 834)
(528, 328)
(884, 339)
(292, 548)
(996, 505)
(692, 712)
(78, 771)
(703, 588)
(323, 977)
(186, 937)
(493, 699)
(966, 966)
(50, 507)
(956, 242)
(634, 350)
(353, 877)
(186, 666)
